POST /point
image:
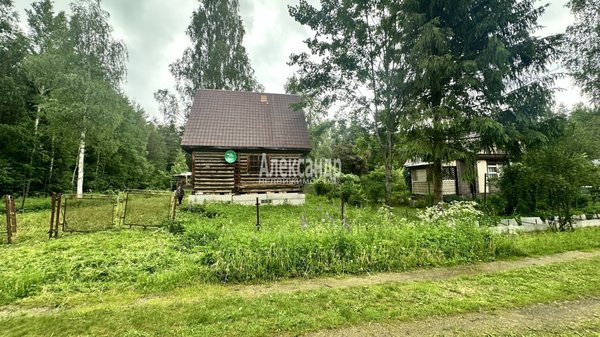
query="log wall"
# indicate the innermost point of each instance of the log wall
(213, 175)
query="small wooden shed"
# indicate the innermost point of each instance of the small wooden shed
(233, 136)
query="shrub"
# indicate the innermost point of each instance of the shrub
(458, 212)
(322, 186)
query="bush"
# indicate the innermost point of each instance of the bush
(452, 214)
(322, 186)
(548, 183)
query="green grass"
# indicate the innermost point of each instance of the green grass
(147, 209)
(221, 243)
(228, 314)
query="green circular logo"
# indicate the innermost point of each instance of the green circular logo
(230, 157)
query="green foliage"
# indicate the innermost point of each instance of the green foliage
(548, 183)
(585, 138)
(362, 190)
(473, 67)
(217, 58)
(354, 61)
(581, 55)
(180, 165)
(64, 83)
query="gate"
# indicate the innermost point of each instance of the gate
(148, 208)
(87, 213)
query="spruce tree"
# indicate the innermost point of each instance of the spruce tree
(478, 78)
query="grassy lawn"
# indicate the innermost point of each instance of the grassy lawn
(137, 282)
(225, 313)
(220, 243)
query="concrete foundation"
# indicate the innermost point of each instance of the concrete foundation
(536, 224)
(250, 199)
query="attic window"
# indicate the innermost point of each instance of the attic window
(263, 99)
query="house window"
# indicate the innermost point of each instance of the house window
(254, 162)
(493, 170)
(420, 175)
(449, 173)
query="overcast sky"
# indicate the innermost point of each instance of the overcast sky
(154, 32)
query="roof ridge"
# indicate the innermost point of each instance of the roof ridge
(249, 92)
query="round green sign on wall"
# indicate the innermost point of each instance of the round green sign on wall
(230, 157)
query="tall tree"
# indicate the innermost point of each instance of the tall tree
(586, 134)
(101, 57)
(477, 77)
(168, 106)
(14, 119)
(355, 62)
(583, 46)
(217, 58)
(47, 35)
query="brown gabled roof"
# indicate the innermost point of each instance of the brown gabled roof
(222, 119)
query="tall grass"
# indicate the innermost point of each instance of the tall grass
(220, 243)
(371, 243)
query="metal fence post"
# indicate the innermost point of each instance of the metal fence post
(257, 215)
(174, 206)
(485, 188)
(343, 216)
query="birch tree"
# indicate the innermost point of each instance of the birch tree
(217, 58)
(101, 57)
(354, 61)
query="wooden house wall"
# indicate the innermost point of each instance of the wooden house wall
(212, 175)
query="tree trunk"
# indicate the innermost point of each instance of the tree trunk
(436, 169)
(51, 168)
(30, 171)
(388, 168)
(80, 165)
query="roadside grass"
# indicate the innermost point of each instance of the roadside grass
(193, 314)
(220, 243)
(588, 327)
(544, 243)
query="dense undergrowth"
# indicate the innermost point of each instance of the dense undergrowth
(220, 243)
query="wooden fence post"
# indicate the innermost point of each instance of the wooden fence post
(13, 215)
(59, 196)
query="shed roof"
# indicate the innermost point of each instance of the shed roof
(222, 119)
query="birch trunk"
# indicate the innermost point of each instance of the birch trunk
(29, 174)
(80, 165)
(51, 168)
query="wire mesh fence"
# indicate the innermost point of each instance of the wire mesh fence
(88, 213)
(148, 208)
